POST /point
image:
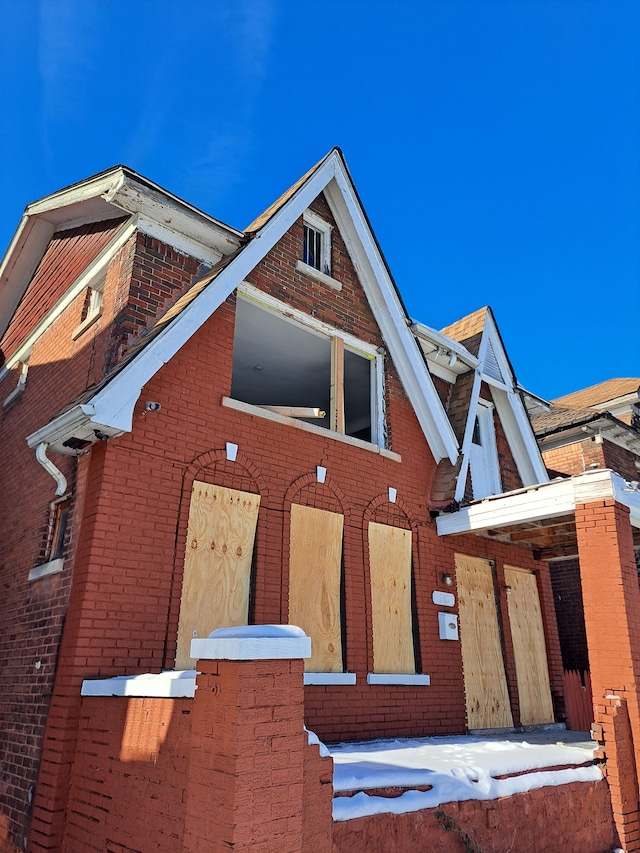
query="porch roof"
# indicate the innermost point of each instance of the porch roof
(542, 517)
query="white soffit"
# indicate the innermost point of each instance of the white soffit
(547, 500)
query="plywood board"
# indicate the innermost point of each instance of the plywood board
(337, 385)
(315, 565)
(485, 682)
(217, 564)
(529, 647)
(390, 565)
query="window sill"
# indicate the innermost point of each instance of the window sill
(258, 412)
(173, 684)
(399, 678)
(329, 678)
(53, 567)
(317, 274)
(86, 324)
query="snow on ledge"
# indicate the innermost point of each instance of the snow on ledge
(398, 678)
(179, 684)
(253, 642)
(329, 678)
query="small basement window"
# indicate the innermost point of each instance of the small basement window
(301, 370)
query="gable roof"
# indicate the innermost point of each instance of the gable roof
(597, 396)
(479, 333)
(108, 409)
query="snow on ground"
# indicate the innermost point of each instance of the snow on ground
(457, 768)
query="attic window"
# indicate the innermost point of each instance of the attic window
(483, 459)
(300, 368)
(316, 248)
(91, 310)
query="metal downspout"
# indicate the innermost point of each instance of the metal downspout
(50, 468)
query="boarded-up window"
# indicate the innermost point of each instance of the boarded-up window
(217, 564)
(390, 565)
(314, 584)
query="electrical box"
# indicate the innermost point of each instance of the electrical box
(448, 623)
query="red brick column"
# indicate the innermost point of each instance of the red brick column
(611, 598)
(247, 763)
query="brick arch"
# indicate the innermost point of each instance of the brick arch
(210, 467)
(306, 490)
(398, 514)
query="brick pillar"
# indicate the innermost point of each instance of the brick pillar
(611, 599)
(247, 762)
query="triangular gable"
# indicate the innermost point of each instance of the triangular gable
(479, 334)
(110, 409)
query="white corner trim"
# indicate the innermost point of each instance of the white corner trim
(329, 678)
(399, 679)
(175, 684)
(250, 648)
(179, 241)
(53, 567)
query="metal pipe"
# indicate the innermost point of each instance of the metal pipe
(50, 468)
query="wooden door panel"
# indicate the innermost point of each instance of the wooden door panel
(485, 682)
(529, 648)
(217, 564)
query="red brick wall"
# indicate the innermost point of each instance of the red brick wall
(575, 458)
(567, 594)
(529, 823)
(129, 534)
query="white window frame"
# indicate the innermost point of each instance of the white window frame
(317, 327)
(312, 220)
(483, 458)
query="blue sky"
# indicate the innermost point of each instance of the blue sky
(495, 143)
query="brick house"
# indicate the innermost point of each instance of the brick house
(204, 427)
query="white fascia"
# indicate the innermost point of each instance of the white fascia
(512, 412)
(446, 358)
(389, 314)
(544, 501)
(111, 409)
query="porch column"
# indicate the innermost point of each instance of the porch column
(611, 598)
(248, 762)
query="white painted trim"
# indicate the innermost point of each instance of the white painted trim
(399, 679)
(319, 275)
(329, 678)
(250, 648)
(90, 277)
(111, 409)
(543, 501)
(258, 412)
(390, 314)
(179, 241)
(175, 684)
(53, 567)
(463, 473)
(287, 312)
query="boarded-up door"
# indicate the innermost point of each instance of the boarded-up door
(315, 564)
(529, 647)
(217, 564)
(485, 683)
(390, 566)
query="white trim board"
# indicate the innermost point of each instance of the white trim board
(547, 500)
(111, 409)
